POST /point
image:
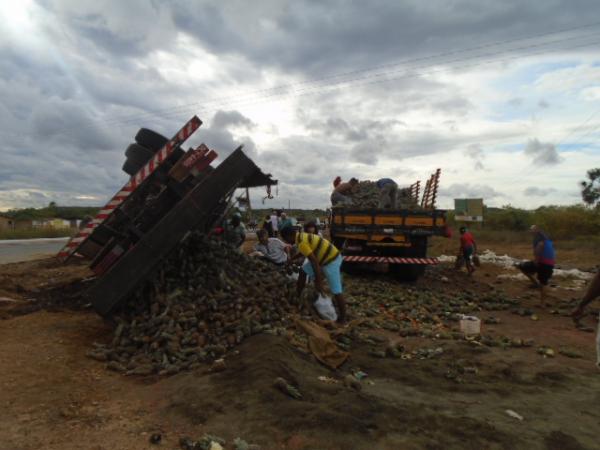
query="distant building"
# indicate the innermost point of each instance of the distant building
(6, 223)
(59, 224)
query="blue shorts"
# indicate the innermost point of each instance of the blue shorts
(332, 272)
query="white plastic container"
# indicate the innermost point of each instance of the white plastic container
(470, 325)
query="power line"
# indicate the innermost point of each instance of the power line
(579, 127)
(274, 90)
(361, 82)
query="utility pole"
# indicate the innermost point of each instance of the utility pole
(248, 199)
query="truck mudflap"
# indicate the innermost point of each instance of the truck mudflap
(390, 260)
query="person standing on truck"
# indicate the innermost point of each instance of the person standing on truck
(542, 265)
(388, 191)
(468, 248)
(235, 231)
(341, 194)
(322, 257)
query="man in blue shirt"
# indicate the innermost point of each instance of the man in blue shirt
(284, 221)
(388, 190)
(542, 265)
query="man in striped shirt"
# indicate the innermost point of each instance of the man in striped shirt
(322, 257)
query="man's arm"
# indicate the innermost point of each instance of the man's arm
(592, 292)
(317, 269)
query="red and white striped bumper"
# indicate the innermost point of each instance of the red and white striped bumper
(390, 260)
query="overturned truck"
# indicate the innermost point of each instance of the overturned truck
(171, 192)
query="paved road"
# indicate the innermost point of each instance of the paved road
(27, 249)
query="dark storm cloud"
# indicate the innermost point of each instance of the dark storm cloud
(467, 190)
(542, 153)
(367, 152)
(111, 29)
(219, 136)
(73, 100)
(538, 192)
(68, 123)
(475, 152)
(516, 102)
(458, 105)
(224, 119)
(312, 37)
(338, 127)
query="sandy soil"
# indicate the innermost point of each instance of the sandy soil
(54, 397)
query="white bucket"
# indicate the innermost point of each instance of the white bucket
(470, 325)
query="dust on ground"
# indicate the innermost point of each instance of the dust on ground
(54, 397)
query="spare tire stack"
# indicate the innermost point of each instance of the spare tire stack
(147, 143)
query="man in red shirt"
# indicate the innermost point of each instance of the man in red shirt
(468, 248)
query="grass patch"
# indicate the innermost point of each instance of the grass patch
(36, 233)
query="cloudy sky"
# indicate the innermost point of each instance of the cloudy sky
(503, 96)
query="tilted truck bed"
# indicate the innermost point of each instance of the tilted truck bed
(171, 192)
(198, 210)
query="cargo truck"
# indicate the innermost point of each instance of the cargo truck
(396, 237)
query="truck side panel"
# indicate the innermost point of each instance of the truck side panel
(197, 207)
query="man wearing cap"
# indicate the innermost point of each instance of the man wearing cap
(322, 257)
(235, 231)
(542, 265)
(468, 247)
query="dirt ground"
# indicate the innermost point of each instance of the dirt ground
(54, 397)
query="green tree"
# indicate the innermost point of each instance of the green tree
(590, 190)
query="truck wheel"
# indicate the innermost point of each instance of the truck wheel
(351, 268)
(130, 168)
(407, 272)
(150, 139)
(138, 154)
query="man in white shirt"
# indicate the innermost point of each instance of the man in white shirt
(274, 222)
(272, 249)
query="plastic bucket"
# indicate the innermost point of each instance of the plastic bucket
(470, 325)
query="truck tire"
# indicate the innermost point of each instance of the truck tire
(351, 268)
(150, 139)
(130, 168)
(407, 272)
(138, 154)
